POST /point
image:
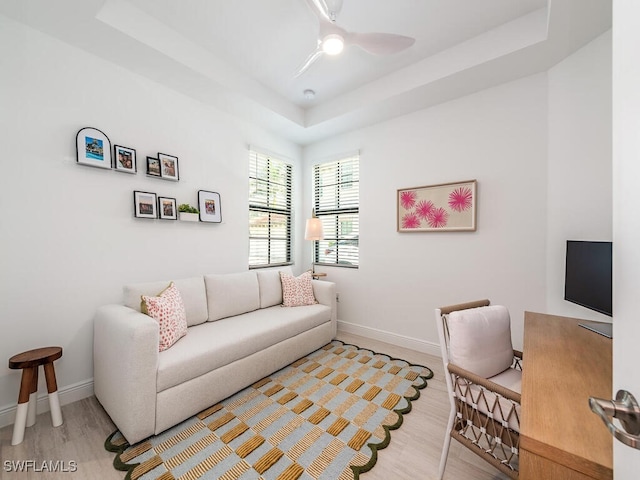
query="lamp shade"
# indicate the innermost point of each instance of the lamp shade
(313, 229)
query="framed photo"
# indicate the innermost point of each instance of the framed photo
(209, 206)
(124, 159)
(144, 204)
(169, 167)
(167, 208)
(438, 208)
(153, 167)
(93, 148)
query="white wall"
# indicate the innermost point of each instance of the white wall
(68, 236)
(497, 136)
(579, 184)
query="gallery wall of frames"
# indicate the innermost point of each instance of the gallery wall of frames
(93, 149)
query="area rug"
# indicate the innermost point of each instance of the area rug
(323, 417)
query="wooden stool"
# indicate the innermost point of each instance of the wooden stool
(29, 362)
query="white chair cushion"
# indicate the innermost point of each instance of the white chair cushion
(231, 294)
(480, 340)
(510, 379)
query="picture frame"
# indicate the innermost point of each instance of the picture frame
(446, 207)
(169, 167)
(124, 159)
(167, 208)
(153, 167)
(209, 206)
(93, 148)
(145, 204)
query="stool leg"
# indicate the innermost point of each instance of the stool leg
(52, 388)
(33, 399)
(23, 405)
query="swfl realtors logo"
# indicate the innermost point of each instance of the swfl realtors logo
(54, 466)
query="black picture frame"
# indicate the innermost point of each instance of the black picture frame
(145, 204)
(124, 159)
(209, 206)
(167, 208)
(169, 167)
(153, 167)
(93, 148)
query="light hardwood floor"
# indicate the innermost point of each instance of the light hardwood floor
(414, 451)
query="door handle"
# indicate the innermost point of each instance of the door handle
(626, 409)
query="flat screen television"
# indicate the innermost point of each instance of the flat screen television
(588, 275)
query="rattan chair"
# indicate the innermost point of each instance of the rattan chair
(483, 375)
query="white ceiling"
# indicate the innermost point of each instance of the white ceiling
(241, 55)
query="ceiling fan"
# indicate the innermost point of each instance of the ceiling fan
(332, 39)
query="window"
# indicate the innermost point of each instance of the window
(336, 203)
(269, 211)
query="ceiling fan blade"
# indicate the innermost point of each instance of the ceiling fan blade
(319, 8)
(381, 43)
(333, 8)
(311, 59)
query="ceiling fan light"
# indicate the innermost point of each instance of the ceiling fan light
(332, 44)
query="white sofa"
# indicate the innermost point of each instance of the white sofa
(238, 332)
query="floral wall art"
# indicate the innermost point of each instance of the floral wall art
(436, 208)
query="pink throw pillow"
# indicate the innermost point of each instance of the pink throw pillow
(168, 310)
(297, 291)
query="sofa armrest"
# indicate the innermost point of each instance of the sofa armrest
(325, 293)
(125, 365)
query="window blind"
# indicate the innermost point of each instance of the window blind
(336, 203)
(269, 211)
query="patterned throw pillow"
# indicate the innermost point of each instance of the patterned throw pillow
(297, 291)
(168, 310)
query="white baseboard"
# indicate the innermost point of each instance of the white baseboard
(68, 394)
(389, 337)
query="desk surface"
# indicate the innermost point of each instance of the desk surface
(564, 365)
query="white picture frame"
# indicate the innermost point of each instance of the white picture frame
(168, 167)
(209, 206)
(145, 204)
(167, 208)
(124, 159)
(93, 148)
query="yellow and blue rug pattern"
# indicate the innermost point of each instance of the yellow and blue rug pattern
(323, 417)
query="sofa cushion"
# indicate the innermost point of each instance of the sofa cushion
(271, 286)
(297, 291)
(168, 310)
(215, 344)
(480, 340)
(231, 294)
(191, 290)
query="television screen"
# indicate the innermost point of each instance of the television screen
(588, 275)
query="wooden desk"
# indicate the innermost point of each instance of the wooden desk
(564, 364)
